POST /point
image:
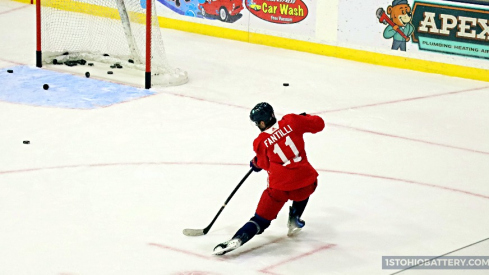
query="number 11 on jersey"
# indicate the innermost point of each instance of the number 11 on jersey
(277, 150)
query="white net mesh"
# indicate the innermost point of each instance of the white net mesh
(108, 31)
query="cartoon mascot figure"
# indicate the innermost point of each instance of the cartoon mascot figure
(399, 24)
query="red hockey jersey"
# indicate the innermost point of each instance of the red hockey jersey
(280, 151)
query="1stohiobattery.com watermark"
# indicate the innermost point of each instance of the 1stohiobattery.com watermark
(433, 262)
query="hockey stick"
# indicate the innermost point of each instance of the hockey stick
(200, 232)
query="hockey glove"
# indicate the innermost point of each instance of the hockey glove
(255, 166)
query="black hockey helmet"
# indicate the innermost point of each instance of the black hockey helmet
(263, 112)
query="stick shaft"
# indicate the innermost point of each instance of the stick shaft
(227, 200)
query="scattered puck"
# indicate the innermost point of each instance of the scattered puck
(55, 61)
(10, 71)
(112, 66)
(110, 72)
(106, 54)
(119, 66)
(90, 64)
(45, 86)
(26, 142)
(87, 74)
(71, 63)
(286, 84)
(130, 61)
(66, 53)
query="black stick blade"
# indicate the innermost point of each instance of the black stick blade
(193, 232)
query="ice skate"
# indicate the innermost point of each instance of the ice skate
(226, 247)
(295, 224)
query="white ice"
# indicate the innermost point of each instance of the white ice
(403, 164)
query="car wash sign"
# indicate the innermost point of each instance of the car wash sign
(278, 11)
(451, 29)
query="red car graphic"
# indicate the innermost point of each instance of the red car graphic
(224, 9)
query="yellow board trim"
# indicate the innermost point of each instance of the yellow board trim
(373, 58)
(291, 44)
(203, 29)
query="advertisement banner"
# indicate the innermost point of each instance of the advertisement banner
(278, 11)
(228, 11)
(434, 28)
(287, 18)
(451, 29)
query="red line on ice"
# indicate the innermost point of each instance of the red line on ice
(362, 106)
(9, 11)
(401, 100)
(407, 181)
(185, 252)
(10, 61)
(207, 100)
(238, 164)
(239, 252)
(118, 164)
(267, 269)
(410, 139)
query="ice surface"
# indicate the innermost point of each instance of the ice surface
(403, 166)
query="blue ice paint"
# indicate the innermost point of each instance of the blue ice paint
(24, 86)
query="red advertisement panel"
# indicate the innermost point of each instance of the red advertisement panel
(278, 11)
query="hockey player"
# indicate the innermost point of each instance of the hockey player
(280, 151)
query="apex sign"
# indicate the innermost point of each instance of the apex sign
(451, 29)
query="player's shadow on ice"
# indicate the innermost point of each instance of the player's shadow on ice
(268, 246)
(274, 245)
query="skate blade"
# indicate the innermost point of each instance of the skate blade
(294, 232)
(232, 245)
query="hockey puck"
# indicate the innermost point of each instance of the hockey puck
(110, 72)
(26, 142)
(112, 66)
(106, 54)
(130, 61)
(90, 64)
(118, 66)
(10, 71)
(87, 74)
(286, 84)
(55, 61)
(45, 86)
(71, 63)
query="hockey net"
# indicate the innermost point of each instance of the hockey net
(106, 31)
